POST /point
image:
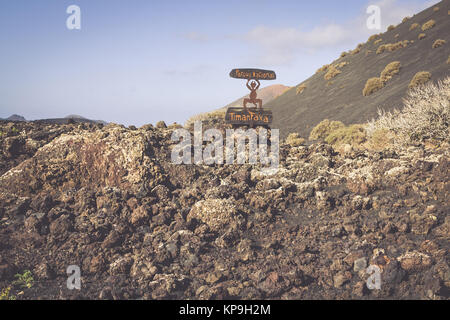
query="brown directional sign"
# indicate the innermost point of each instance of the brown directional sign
(248, 116)
(257, 74)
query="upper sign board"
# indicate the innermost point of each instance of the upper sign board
(257, 74)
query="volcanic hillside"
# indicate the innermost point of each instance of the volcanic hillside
(419, 44)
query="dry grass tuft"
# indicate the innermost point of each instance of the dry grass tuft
(343, 54)
(381, 49)
(438, 43)
(448, 60)
(419, 79)
(372, 85)
(413, 26)
(341, 64)
(355, 51)
(428, 25)
(300, 89)
(392, 46)
(323, 68)
(377, 41)
(294, 140)
(421, 36)
(390, 70)
(405, 19)
(436, 9)
(391, 27)
(375, 84)
(373, 37)
(331, 73)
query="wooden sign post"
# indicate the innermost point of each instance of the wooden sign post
(255, 116)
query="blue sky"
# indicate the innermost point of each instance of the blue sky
(141, 61)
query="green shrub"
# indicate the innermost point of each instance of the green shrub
(6, 294)
(24, 280)
(354, 134)
(324, 128)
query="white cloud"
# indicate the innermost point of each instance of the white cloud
(280, 46)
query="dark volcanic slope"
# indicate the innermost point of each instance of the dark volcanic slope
(342, 99)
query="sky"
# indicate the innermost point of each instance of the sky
(141, 61)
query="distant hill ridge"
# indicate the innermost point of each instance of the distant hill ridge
(67, 119)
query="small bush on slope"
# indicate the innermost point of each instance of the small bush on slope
(438, 43)
(332, 72)
(294, 140)
(390, 70)
(426, 115)
(413, 26)
(323, 68)
(373, 37)
(372, 85)
(419, 79)
(428, 25)
(300, 89)
(324, 128)
(354, 135)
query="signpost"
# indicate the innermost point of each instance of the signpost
(254, 116)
